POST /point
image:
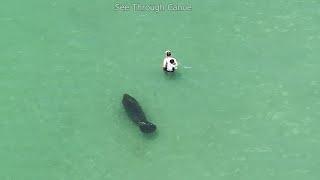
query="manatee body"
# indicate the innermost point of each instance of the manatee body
(136, 114)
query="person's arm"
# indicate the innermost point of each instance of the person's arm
(164, 65)
(176, 64)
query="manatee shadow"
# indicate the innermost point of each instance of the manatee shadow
(151, 136)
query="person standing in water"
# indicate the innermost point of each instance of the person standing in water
(170, 64)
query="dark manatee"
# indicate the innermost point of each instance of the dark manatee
(136, 114)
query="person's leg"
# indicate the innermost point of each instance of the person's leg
(166, 70)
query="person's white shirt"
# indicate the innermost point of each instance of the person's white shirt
(169, 66)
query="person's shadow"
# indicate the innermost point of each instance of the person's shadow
(172, 75)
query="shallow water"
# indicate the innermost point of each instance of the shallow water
(247, 109)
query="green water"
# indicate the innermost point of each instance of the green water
(243, 105)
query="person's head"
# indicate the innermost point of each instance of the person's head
(168, 53)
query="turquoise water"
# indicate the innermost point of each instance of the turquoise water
(243, 104)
